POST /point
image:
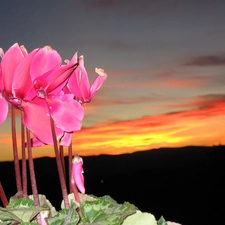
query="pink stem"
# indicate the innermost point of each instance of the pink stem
(15, 152)
(59, 166)
(75, 192)
(61, 150)
(70, 165)
(3, 196)
(32, 173)
(76, 196)
(24, 164)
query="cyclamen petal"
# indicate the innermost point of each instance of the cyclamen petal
(67, 115)
(79, 84)
(36, 119)
(53, 81)
(36, 143)
(44, 61)
(11, 59)
(98, 81)
(4, 108)
(77, 173)
(66, 139)
(22, 84)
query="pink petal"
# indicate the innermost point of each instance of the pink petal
(66, 139)
(44, 61)
(10, 61)
(79, 84)
(98, 81)
(43, 215)
(73, 60)
(4, 108)
(53, 80)
(77, 173)
(1, 80)
(22, 83)
(36, 143)
(68, 115)
(59, 77)
(36, 119)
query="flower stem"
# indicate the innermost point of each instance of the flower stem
(61, 150)
(15, 151)
(70, 152)
(3, 196)
(59, 166)
(24, 163)
(32, 173)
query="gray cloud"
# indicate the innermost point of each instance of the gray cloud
(210, 60)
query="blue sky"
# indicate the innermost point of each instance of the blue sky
(161, 57)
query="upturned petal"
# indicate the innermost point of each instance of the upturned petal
(79, 83)
(98, 81)
(11, 59)
(53, 80)
(77, 173)
(44, 61)
(22, 84)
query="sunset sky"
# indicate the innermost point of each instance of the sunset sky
(165, 62)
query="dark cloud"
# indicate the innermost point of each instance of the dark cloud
(133, 7)
(203, 102)
(210, 60)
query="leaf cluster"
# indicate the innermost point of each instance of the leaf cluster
(92, 210)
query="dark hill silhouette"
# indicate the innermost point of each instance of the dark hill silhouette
(182, 184)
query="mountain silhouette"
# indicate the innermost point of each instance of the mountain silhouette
(182, 184)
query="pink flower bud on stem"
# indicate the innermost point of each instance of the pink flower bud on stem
(77, 178)
(43, 214)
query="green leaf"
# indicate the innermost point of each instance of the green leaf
(45, 203)
(28, 223)
(64, 217)
(162, 221)
(83, 198)
(20, 215)
(20, 203)
(140, 218)
(5, 222)
(105, 211)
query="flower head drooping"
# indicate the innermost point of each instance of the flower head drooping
(77, 173)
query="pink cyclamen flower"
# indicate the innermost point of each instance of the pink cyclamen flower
(49, 80)
(33, 83)
(77, 173)
(79, 84)
(15, 82)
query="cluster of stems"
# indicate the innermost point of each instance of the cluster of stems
(26, 149)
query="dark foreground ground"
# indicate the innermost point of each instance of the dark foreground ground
(185, 185)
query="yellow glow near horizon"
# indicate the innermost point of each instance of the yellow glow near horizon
(137, 135)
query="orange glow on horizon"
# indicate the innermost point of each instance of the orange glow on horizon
(201, 126)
